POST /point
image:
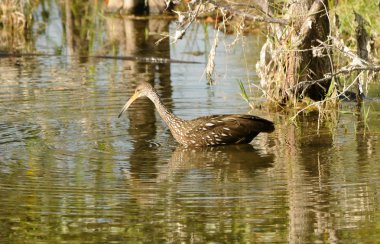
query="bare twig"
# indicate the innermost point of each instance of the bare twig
(185, 19)
(342, 71)
(319, 103)
(356, 60)
(211, 60)
(357, 64)
(251, 16)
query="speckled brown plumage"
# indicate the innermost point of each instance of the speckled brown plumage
(208, 130)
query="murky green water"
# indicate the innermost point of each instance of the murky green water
(71, 171)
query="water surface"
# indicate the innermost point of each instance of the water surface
(71, 171)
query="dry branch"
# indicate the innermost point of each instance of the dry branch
(250, 16)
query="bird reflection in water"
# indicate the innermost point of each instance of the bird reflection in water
(192, 167)
(230, 158)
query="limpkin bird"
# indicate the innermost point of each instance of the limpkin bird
(210, 130)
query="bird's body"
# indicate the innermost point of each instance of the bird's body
(210, 130)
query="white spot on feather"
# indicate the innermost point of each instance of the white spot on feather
(225, 128)
(209, 124)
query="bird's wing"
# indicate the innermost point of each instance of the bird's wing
(226, 129)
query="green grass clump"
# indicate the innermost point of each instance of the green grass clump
(368, 9)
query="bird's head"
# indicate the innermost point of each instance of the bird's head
(142, 90)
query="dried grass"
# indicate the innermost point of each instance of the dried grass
(12, 16)
(13, 23)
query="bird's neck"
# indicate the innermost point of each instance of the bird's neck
(170, 119)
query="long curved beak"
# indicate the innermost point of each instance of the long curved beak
(130, 101)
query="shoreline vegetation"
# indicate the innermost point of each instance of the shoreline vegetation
(317, 53)
(309, 53)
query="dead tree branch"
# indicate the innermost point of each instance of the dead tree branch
(250, 16)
